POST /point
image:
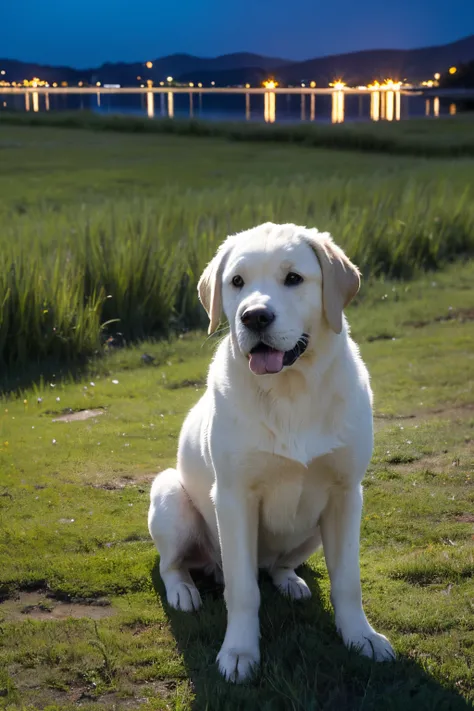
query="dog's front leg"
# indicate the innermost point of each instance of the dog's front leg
(340, 530)
(237, 518)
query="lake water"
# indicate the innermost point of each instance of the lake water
(269, 106)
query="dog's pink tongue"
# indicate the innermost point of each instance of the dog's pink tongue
(262, 362)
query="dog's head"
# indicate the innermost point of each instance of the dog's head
(278, 286)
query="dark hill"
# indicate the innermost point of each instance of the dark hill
(235, 69)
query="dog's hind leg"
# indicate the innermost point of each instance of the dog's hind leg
(283, 572)
(177, 529)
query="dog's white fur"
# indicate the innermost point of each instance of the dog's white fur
(270, 466)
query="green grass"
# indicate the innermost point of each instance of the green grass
(73, 505)
(449, 137)
(108, 232)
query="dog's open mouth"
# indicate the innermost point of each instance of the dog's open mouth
(263, 359)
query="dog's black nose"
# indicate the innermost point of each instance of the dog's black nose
(257, 319)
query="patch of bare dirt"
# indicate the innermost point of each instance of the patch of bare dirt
(450, 412)
(79, 416)
(199, 383)
(465, 518)
(36, 688)
(461, 315)
(38, 606)
(120, 483)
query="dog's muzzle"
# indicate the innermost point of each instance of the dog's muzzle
(263, 359)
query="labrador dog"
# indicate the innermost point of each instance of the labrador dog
(271, 459)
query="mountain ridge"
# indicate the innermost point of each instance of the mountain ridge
(247, 67)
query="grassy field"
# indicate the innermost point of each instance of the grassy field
(445, 137)
(107, 227)
(84, 621)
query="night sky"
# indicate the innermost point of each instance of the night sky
(84, 33)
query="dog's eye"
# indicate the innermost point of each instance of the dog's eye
(237, 281)
(293, 279)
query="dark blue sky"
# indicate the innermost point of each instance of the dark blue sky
(83, 33)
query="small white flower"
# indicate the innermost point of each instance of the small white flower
(40, 399)
(54, 441)
(115, 382)
(85, 387)
(52, 385)
(92, 385)
(58, 399)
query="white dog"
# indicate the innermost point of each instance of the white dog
(271, 459)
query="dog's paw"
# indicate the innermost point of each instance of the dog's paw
(292, 586)
(237, 666)
(184, 596)
(371, 644)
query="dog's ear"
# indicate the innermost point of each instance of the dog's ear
(210, 287)
(341, 278)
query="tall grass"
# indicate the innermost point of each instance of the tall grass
(67, 278)
(447, 137)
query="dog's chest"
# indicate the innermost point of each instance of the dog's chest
(291, 496)
(301, 431)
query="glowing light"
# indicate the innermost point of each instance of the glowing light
(149, 83)
(150, 104)
(149, 65)
(453, 70)
(313, 85)
(436, 106)
(303, 84)
(55, 84)
(391, 85)
(169, 79)
(247, 86)
(375, 105)
(162, 83)
(170, 104)
(139, 78)
(337, 114)
(269, 107)
(437, 76)
(213, 83)
(98, 83)
(338, 85)
(3, 72)
(191, 84)
(200, 85)
(452, 109)
(270, 84)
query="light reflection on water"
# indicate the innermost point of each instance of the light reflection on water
(337, 106)
(269, 112)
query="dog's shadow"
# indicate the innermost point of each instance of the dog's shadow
(305, 666)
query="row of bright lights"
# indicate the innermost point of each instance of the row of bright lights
(338, 84)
